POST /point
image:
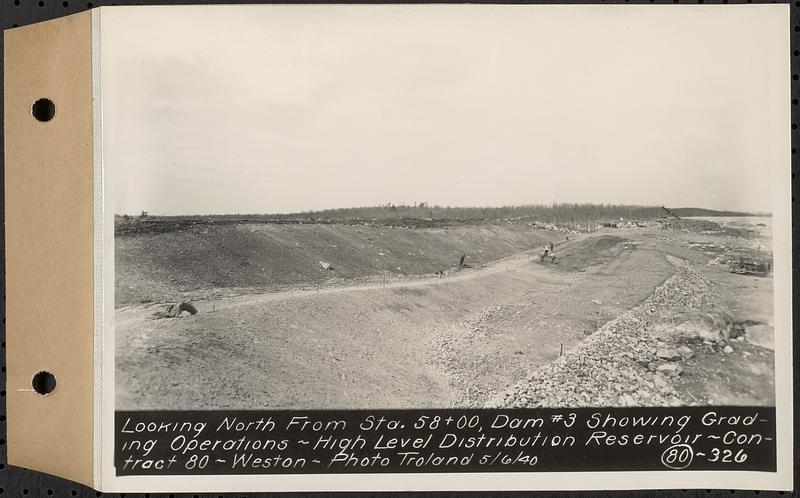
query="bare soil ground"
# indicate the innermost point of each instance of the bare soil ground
(382, 330)
(211, 261)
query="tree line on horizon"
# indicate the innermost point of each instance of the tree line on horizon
(574, 213)
(542, 212)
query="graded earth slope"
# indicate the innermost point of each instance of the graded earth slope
(215, 260)
(469, 336)
(413, 342)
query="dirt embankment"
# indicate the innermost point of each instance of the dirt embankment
(211, 261)
(434, 342)
(674, 326)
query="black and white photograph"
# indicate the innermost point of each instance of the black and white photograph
(443, 211)
(401, 247)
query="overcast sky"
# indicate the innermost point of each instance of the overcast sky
(265, 109)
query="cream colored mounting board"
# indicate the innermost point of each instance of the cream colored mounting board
(49, 247)
(57, 261)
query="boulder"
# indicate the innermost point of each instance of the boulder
(187, 307)
(685, 323)
(670, 369)
(661, 384)
(685, 352)
(325, 265)
(669, 354)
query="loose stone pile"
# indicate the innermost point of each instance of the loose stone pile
(631, 360)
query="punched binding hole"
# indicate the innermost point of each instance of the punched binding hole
(43, 109)
(44, 383)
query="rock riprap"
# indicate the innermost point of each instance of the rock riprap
(633, 359)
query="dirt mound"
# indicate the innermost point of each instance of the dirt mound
(210, 260)
(682, 323)
(587, 252)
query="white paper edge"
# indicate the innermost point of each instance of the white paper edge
(98, 205)
(779, 167)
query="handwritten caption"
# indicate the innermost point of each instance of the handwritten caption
(586, 439)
